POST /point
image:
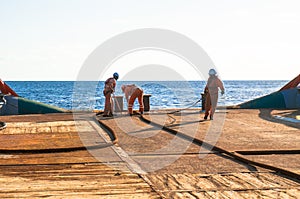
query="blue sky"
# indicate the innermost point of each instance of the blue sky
(246, 39)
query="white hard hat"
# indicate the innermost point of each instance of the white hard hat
(212, 72)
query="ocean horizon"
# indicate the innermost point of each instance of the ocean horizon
(164, 94)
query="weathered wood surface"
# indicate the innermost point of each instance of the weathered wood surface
(172, 167)
(72, 181)
(186, 175)
(226, 185)
(38, 173)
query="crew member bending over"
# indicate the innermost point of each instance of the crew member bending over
(109, 88)
(134, 92)
(211, 93)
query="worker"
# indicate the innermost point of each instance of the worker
(109, 88)
(134, 92)
(211, 93)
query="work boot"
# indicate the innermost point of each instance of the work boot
(205, 117)
(211, 118)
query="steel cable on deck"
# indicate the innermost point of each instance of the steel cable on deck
(2, 125)
(233, 155)
(54, 150)
(63, 149)
(190, 106)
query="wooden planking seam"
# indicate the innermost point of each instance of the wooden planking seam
(165, 183)
(133, 166)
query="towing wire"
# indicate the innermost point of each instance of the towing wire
(234, 155)
(185, 108)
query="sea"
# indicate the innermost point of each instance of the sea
(73, 95)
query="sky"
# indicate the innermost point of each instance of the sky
(245, 39)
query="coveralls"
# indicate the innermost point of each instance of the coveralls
(109, 88)
(211, 93)
(134, 92)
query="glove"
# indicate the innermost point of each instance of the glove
(222, 92)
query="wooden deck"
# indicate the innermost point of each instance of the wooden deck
(179, 170)
(45, 156)
(28, 170)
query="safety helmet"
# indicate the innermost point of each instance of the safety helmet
(212, 72)
(116, 76)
